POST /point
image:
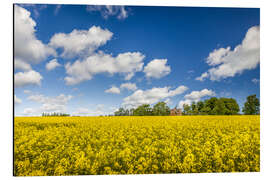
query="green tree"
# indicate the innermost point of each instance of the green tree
(121, 112)
(209, 105)
(194, 109)
(186, 109)
(200, 106)
(231, 106)
(252, 105)
(143, 110)
(161, 109)
(205, 110)
(212, 106)
(219, 108)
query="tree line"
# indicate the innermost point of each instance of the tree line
(159, 109)
(212, 106)
(223, 106)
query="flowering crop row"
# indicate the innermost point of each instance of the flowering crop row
(135, 145)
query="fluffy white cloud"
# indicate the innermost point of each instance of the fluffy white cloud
(216, 57)
(27, 78)
(17, 100)
(27, 47)
(157, 68)
(109, 10)
(50, 104)
(195, 96)
(203, 76)
(152, 96)
(129, 86)
(126, 63)
(227, 63)
(80, 42)
(178, 90)
(22, 65)
(40, 98)
(116, 90)
(113, 90)
(186, 101)
(52, 64)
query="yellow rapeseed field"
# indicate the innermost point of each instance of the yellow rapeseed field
(135, 145)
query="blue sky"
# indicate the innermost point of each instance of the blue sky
(91, 60)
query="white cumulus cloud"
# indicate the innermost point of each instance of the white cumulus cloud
(50, 104)
(125, 63)
(52, 65)
(157, 68)
(195, 96)
(27, 47)
(22, 65)
(203, 76)
(113, 90)
(227, 63)
(27, 78)
(128, 86)
(80, 42)
(216, 57)
(152, 96)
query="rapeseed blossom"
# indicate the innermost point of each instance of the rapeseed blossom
(46, 146)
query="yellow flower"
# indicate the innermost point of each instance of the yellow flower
(120, 145)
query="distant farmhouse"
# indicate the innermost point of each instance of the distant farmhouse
(175, 112)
